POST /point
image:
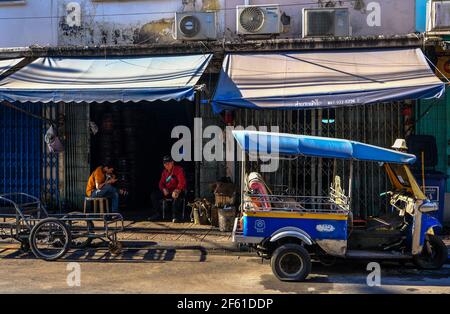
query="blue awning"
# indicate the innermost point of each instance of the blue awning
(324, 79)
(109, 79)
(291, 144)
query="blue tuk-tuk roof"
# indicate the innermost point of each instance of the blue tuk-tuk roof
(315, 146)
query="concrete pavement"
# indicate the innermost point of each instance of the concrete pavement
(186, 258)
(168, 234)
(138, 234)
(196, 271)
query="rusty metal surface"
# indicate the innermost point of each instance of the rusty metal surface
(217, 47)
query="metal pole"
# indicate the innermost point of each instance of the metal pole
(197, 163)
(242, 178)
(350, 179)
(422, 156)
(320, 160)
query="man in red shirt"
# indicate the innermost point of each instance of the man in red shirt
(172, 186)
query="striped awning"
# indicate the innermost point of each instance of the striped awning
(324, 79)
(109, 79)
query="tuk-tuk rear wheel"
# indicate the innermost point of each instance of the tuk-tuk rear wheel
(434, 253)
(291, 262)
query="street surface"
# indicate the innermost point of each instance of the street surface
(194, 270)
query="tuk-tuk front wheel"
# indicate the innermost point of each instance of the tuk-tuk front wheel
(434, 253)
(291, 262)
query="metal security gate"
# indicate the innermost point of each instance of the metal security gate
(25, 164)
(50, 189)
(76, 155)
(378, 124)
(21, 156)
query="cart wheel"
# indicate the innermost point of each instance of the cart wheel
(25, 246)
(79, 230)
(49, 239)
(115, 247)
(433, 255)
(291, 262)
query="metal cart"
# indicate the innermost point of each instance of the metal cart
(24, 218)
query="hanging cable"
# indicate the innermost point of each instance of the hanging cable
(9, 105)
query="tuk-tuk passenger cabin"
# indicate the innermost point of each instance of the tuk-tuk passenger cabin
(290, 229)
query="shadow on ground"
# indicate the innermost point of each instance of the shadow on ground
(324, 278)
(137, 254)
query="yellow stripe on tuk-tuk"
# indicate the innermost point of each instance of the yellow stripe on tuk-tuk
(283, 214)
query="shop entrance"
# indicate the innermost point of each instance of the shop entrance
(134, 138)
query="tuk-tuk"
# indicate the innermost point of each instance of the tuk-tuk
(290, 230)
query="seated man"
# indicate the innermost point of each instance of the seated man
(100, 185)
(172, 185)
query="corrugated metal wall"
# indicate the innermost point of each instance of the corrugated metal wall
(209, 171)
(432, 118)
(378, 124)
(20, 154)
(76, 157)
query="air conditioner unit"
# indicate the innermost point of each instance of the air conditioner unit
(195, 26)
(322, 22)
(443, 67)
(258, 19)
(438, 17)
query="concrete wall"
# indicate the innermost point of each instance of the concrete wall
(25, 23)
(45, 23)
(396, 17)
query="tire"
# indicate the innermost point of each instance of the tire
(291, 262)
(53, 235)
(438, 256)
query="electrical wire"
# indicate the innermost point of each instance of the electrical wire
(172, 12)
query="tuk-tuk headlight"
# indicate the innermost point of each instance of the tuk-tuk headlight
(428, 206)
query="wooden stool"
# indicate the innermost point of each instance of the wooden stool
(102, 202)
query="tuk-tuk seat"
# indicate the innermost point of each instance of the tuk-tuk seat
(257, 186)
(264, 198)
(385, 222)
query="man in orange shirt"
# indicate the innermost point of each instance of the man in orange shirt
(100, 185)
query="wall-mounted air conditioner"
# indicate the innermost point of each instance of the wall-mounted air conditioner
(258, 19)
(195, 26)
(438, 17)
(323, 22)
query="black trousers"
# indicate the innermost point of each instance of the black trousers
(176, 207)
